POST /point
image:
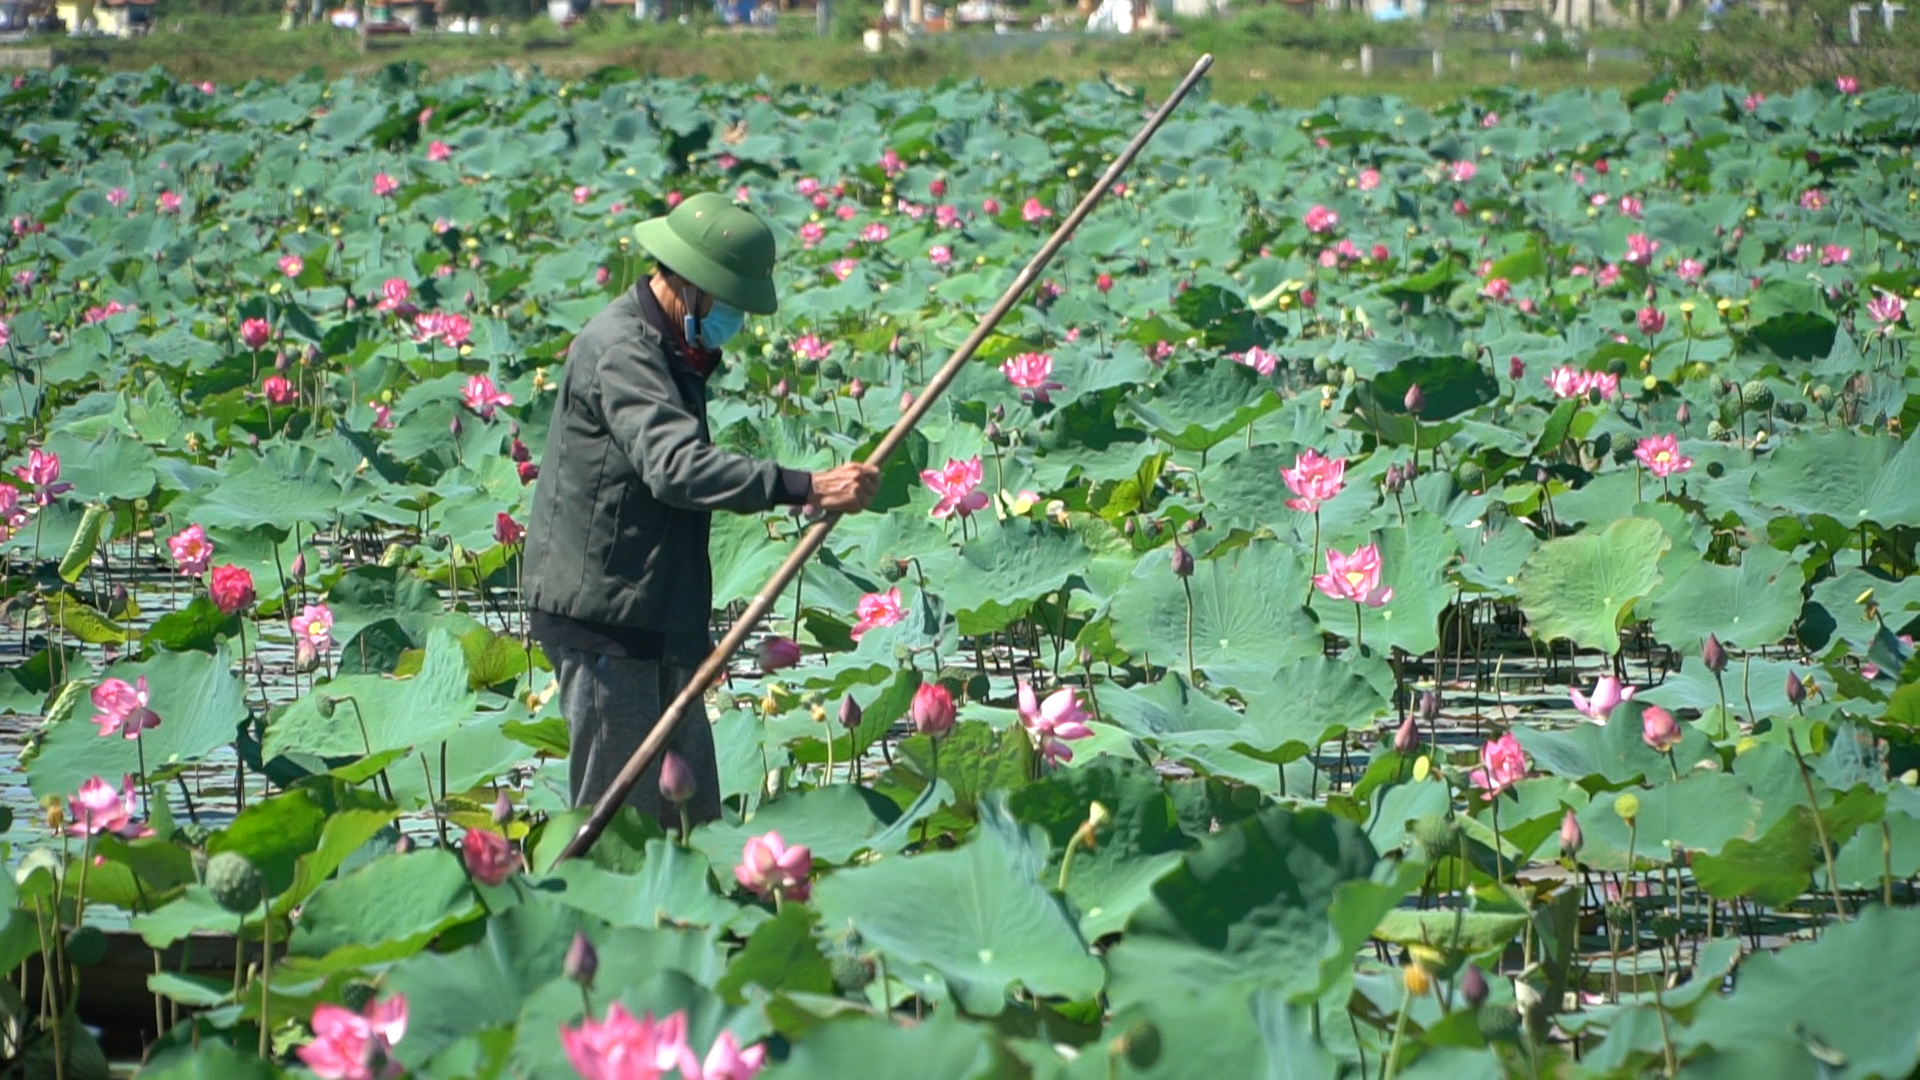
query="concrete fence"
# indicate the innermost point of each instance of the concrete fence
(1617, 56)
(13, 59)
(1382, 59)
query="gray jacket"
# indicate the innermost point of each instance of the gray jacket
(629, 480)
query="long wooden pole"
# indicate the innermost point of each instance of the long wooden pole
(714, 666)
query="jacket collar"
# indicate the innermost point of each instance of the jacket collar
(703, 362)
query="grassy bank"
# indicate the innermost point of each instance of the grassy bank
(1292, 59)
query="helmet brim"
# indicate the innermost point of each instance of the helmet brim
(753, 295)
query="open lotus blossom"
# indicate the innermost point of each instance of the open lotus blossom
(506, 530)
(123, 707)
(117, 197)
(169, 203)
(292, 265)
(1319, 219)
(394, 294)
(1368, 179)
(768, 867)
(1032, 373)
(811, 233)
(1631, 207)
(21, 280)
(623, 1048)
(1566, 382)
(1258, 359)
(99, 807)
(874, 232)
(1498, 290)
(448, 329)
(1053, 722)
(946, 216)
(1354, 577)
(1652, 320)
(42, 474)
(1834, 254)
(726, 1061)
(384, 185)
(231, 588)
(1847, 84)
(191, 550)
(278, 390)
(1886, 310)
(1034, 210)
(890, 162)
(843, 268)
(350, 1045)
(1641, 249)
(483, 397)
(1661, 455)
(1798, 253)
(1753, 101)
(1502, 764)
(1690, 270)
(1659, 729)
(954, 483)
(876, 610)
(1608, 692)
(312, 631)
(1314, 480)
(777, 654)
(940, 255)
(809, 347)
(438, 151)
(581, 193)
(12, 514)
(1813, 199)
(488, 856)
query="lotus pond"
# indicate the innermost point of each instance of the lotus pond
(1410, 594)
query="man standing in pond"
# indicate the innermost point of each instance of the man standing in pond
(618, 581)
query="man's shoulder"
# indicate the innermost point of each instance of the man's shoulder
(621, 325)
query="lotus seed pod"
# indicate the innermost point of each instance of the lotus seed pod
(851, 973)
(1796, 690)
(582, 962)
(1473, 986)
(234, 882)
(1713, 655)
(1757, 396)
(86, 946)
(1141, 1044)
(833, 369)
(1182, 560)
(1438, 836)
(324, 705)
(1497, 1023)
(1716, 430)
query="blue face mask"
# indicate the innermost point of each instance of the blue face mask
(719, 325)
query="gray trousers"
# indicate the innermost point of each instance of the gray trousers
(611, 703)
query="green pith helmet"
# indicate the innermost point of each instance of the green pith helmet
(723, 249)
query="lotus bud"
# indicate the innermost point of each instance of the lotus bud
(1406, 739)
(1395, 480)
(1415, 400)
(402, 845)
(676, 779)
(999, 412)
(453, 426)
(1713, 655)
(582, 961)
(1571, 838)
(850, 713)
(253, 441)
(933, 710)
(1684, 414)
(776, 653)
(906, 400)
(994, 434)
(280, 362)
(502, 808)
(1430, 705)
(299, 567)
(1659, 729)
(1473, 986)
(1796, 690)
(781, 389)
(856, 389)
(469, 298)
(1126, 529)
(1195, 524)
(1182, 560)
(1410, 469)
(519, 452)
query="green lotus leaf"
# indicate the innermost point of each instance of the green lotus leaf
(1583, 587)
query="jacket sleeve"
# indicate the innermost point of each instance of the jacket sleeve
(662, 439)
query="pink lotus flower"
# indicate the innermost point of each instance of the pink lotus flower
(22, 279)
(1847, 85)
(1630, 206)
(1498, 290)
(445, 327)
(482, 397)
(810, 233)
(937, 188)
(169, 203)
(1033, 211)
(1567, 382)
(489, 857)
(1314, 480)
(777, 654)
(1813, 199)
(1502, 764)
(312, 631)
(42, 473)
(1162, 349)
(1054, 722)
(1329, 258)
(123, 708)
(768, 867)
(356, 1046)
(807, 186)
(506, 530)
(117, 197)
(674, 198)
(1690, 270)
(382, 416)
(1834, 254)
(394, 292)
(890, 162)
(1032, 373)
(102, 808)
(1661, 455)
(843, 268)
(1609, 274)
(1354, 577)
(191, 550)
(98, 314)
(1886, 310)
(438, 151)
(292, 265)
(876, 610)
(1258, 359)
(874, 232)
(1652, 320)
(844, 212)
(1462, 171)
(946, 217)
(1319, 219)
(726, 1061)
(278, 390)
(12, 514)
(810, 347)
(933, 710)
(384, 185)
(1640, 249)
(1492, 119)
(940, 255)
(1659, 729)
(1753, 101)
(581, 193)
(1607, 383)
(255, 332)
(1608, 693)
(955, 483)
(1369, 179)
(622, 1048)
(1799, 253)
(231, 588)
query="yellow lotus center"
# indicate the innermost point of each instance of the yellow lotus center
(1355, 577)
(1662, 456)
(317, 630)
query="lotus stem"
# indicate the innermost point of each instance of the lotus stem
(1820, 826)
(1193, 675)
